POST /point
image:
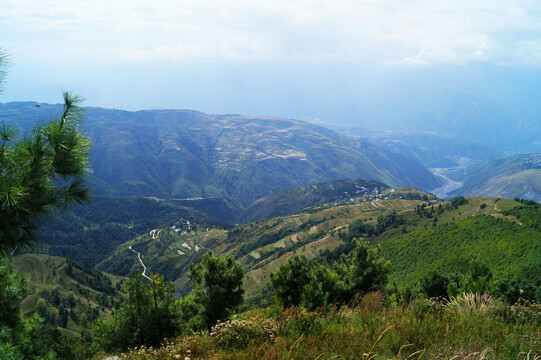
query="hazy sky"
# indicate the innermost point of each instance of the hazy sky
(286, 58)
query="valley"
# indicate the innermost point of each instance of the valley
(270, 180)
(449, 185)
(173, 185)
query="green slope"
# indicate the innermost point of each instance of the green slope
(509, 249)
(414, 240)
(262, 245)
(93, 293)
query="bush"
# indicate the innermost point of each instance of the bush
(525, 311)
(511, 290)
(435, 285)
(470, 303)
(295, 321)
(373, 301)
(240, 333)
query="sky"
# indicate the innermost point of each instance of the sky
(339, 61)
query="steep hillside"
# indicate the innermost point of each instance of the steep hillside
(320, 233)
(508, 177)
(511, 250)
(265, 244)
(91, 232)
(66, 293)
(220, 209)
(285, 202)
(169, 248)
(180, 153)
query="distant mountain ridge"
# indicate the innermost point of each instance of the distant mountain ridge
(183, 153)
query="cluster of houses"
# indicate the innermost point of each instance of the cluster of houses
(181, 225)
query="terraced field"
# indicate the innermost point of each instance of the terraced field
(263, 246)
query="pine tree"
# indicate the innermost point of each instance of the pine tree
(40, 172)
(218, 286)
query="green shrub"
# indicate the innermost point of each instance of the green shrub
(296, 321)
(239, 333)
(434, 285)
(526, 312)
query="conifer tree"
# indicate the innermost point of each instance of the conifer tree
(218, 286)
(41, 172)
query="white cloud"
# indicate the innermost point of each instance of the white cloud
(378, 31)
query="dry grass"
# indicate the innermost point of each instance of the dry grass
(470, 303)
(465, 328)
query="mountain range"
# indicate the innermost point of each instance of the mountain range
(221, 164)
(186, 154)
(431, 149)
(170, 186)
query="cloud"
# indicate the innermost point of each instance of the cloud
(376, 31)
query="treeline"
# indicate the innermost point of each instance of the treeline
(528, 214)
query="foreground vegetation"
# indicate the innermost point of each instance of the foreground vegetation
(372, 327)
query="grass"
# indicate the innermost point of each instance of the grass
(369, 329)
(43, 273)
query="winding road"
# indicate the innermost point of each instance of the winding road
(141, 261)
